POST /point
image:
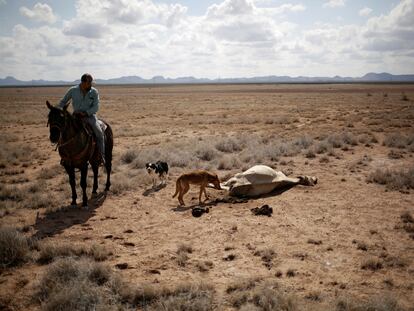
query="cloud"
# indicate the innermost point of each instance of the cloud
(232, 38)
(85, 29)
(3, 2)
(391, 32)
(41, 12)
(334, 3)
(365, 11)
(231, 7)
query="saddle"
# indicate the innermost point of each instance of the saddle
(88, 128)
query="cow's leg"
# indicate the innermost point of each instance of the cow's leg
(84, 175)
(71, 173)
(95, 169)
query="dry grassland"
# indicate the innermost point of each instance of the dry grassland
(345, 244)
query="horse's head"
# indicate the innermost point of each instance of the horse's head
(57, 120)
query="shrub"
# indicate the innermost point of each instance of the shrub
(76, 285)
(50, 251)
(263, 295)
(206, 152)
(228, 162)
(14, 247)
(393, 179)
(228, 145)
(121, 183)
(377, 303)
(191, 297)
(371, 264)
(397, 140)
(128, 156)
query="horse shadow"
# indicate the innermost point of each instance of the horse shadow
(57, 221)
(154, 189)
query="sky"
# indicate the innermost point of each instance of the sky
(60, 40)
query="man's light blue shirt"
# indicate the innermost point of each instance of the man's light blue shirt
(88, 103)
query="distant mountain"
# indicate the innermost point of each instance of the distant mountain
(369, 77)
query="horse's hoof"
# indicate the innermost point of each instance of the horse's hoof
(85, 207)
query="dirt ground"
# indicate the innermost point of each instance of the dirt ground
(318, 238)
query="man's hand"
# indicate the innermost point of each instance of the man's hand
(80, 114)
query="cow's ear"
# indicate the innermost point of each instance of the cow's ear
(49, 105)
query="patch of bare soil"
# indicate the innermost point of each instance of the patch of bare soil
(348, 240)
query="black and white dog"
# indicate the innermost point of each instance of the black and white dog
(159, 169)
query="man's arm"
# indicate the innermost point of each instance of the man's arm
(65, 98)
(95, 103)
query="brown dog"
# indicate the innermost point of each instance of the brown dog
(201, 177)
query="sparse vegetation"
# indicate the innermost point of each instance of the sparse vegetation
(14, 247)
(393, 179)
(51, 251)
(398, 140)
(372, 264)
(206, 127)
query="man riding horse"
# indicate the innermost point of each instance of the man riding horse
(85, 102)
(74, 141)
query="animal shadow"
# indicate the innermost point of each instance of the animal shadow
(181, 208)
(56, 222)
(152, 190)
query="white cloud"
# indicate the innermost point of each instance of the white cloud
(233, 38)
(334, 3)
(365, 11)
(41, 12)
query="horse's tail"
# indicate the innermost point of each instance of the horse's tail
(109, 143)
(177, 187)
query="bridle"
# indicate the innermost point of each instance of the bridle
(60, 142)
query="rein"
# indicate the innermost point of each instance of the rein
(60, 143)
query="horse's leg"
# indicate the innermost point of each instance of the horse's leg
(71, 172)
(95, 169)
(84, 174)
(108, 166)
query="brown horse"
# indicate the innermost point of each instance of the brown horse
(77, 148)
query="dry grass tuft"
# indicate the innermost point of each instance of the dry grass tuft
(267, 256)
(129, 156)
(256, 295)
(182, 254)
(14, 247)
(191, 297)
(378, 303)
(50, 251)
(229, 145)
(397, 140)
(393, 179)
(371, 264)
(76, 285)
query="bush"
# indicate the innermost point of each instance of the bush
(397, 140)
(191, 297)
(129, 156)
(14, 247)
(228, 145)
(393, 179)
(228, 162)
(76, 285)
(51, 251)
(206, 152)
(263, 295)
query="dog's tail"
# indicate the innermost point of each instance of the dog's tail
(177, 187)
